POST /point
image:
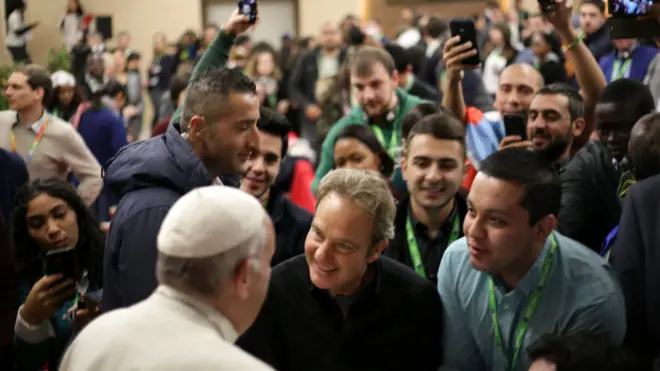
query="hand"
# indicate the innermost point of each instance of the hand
(283, 106)
(129, 111)
(453, 56)
(45, 298)
(561, 16)
(238, 24)
(514, 141)
(312, 112)
(87, 314)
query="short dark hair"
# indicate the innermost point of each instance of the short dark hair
(242, 40)
(113, 88)
(37, 78)
(207, 92)
(436, 27)
(366, 135)
(633, 93)
(597, 3)
(644, 147)
(178, 85)
(417, 113)
(273, 123)
(364, 60)
(399, 55)
(133, 56)
(581, 351)
(417, 58)
(213, 26)
(531, 170)
(575, 100)
(439, 126)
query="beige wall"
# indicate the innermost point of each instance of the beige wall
(142, 18)
(313, 13)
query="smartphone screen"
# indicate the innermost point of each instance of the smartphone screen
(515, 125)
(249, 8)
(62, 261)
(629, 8)
(464, 27)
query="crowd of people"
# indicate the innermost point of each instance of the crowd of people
(348, 202)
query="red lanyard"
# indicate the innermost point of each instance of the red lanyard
(36, 142)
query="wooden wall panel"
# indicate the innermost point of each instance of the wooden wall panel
(390, 15)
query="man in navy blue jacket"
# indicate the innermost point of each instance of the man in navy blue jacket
(215, 135)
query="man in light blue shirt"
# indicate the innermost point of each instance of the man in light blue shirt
(513, 279)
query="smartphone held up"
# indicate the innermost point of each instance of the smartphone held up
(249, 8)
(465, 28)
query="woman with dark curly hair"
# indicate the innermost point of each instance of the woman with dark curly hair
(358, 147)
(49, 217)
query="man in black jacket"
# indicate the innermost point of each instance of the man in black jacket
(431, 218)
(635, 250)
(590, 206)
(321, 64)
(290, 221)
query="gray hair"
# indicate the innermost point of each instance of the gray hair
(368, 190)
(205, 276)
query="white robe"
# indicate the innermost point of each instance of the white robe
(168, 331)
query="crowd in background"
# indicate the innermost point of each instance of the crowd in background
(408, 225)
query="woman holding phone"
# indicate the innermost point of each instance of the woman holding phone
(59, 255)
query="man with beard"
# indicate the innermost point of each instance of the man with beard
(430, 219)
(556, 117)
(518, 84)
(374, 81)
(290, 221)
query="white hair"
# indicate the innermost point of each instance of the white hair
(205, 276)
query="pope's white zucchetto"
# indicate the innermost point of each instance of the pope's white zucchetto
(209, 221)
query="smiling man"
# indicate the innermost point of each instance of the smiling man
(342, 306)
(382, 105)
(430, 219)
(512, 278)
(290, 221)
(554, 120)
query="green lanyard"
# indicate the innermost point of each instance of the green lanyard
(410, 82)
(394, 138)
(619, 70)
(272, 101)
(530, 308)
(414, 249)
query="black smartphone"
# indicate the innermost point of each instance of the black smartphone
(515, 125)
(464, 27)
(249, 8)
(62, 261)
(547, 6)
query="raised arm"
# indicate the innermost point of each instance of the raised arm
(587, 71)
(218, 52)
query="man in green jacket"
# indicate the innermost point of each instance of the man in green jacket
(374, 82)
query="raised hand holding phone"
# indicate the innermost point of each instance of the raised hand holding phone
(460, 51)
(238, 23)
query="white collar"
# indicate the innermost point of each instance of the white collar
(221, 324)
(35, 126)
